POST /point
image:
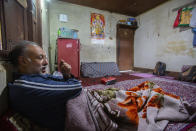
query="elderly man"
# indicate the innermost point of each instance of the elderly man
(39, 96)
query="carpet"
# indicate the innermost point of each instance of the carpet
(148, 75)
(94, 81)
(144, 75)
(167, 77)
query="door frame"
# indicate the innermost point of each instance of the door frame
(133, 28)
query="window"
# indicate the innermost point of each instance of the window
(2, 32)
(12, 25)
(17, 22)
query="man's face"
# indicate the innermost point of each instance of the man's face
(37, 61)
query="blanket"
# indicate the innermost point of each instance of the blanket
(143, 107)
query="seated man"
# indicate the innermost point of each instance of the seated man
(39, 96)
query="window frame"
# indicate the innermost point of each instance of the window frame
(4, 51)
(32, 26)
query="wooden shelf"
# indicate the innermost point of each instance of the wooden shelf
(127, 26)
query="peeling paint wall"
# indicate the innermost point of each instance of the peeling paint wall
(79, 19)
(157, 40)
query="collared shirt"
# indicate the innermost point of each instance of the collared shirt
(42, 98)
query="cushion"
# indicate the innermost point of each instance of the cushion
(188, 73)
(12, 121)
(99, 69)
(185, 68)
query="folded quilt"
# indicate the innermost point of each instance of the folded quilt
(143, 107)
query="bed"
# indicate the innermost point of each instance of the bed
(81, 116)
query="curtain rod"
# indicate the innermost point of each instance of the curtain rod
(191, 3)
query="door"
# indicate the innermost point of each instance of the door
(34, 21)
(68, 50)
(125, 47)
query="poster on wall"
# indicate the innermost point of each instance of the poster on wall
(97, 26)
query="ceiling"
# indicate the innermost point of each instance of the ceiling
(126, 7)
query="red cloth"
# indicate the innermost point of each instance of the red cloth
(177, 21)
(108, 80)
(5, 124)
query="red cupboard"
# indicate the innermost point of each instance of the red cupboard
(69, 51)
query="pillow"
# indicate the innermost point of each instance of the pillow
(12, 121)
(188, 73)
(185, 68)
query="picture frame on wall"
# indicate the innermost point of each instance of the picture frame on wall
(97, 26)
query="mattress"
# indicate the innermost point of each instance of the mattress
(99, 69)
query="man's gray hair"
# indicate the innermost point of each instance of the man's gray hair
(19, 50)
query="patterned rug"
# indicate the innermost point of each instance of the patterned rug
(94, 81)
(144, 75)
(149, 75)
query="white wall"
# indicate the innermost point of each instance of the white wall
(45, 27)
(3, 92)
(157, 40)
(79, 18)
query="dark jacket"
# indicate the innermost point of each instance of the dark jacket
(42, 98)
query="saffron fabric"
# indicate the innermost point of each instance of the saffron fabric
(185, 17)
